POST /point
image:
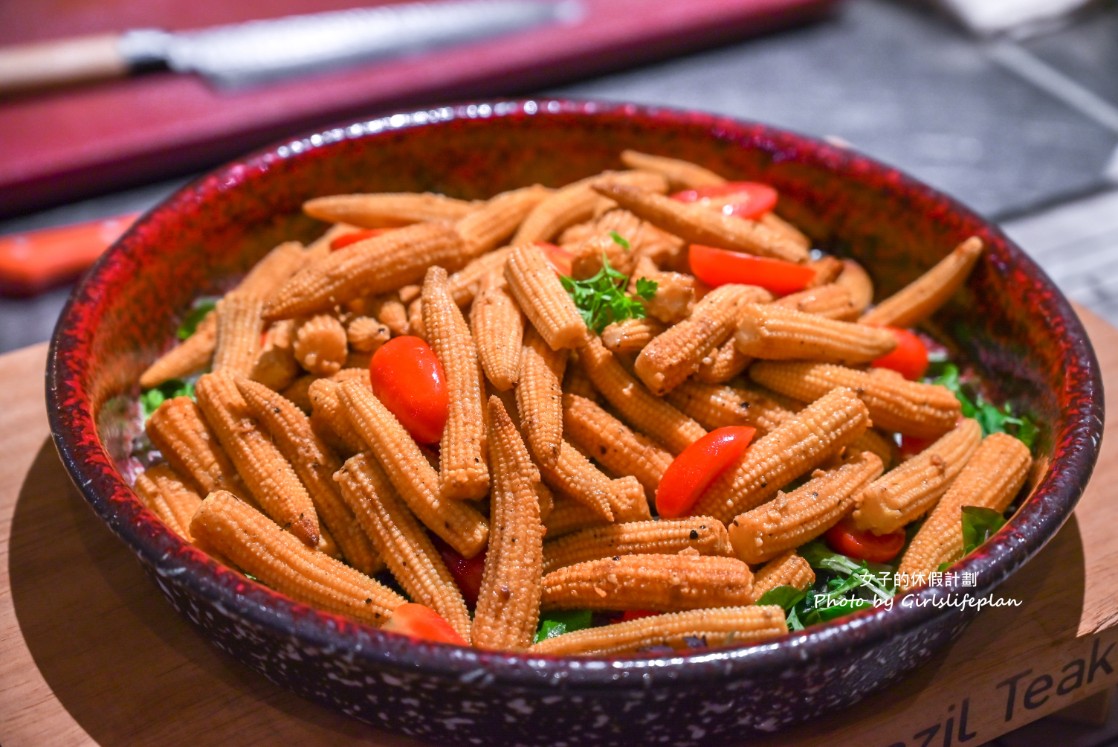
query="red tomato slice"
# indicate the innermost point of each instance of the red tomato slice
(628, 615)
(743, 199)
(909, 358)
(409, 380)
(717, 267)
(559, 257)
(467, 572)
(697, 466)
(420, 621)
(855, 543)
(340, 242)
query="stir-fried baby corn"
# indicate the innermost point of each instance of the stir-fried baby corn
(541, 297)
(722, 364)
(403, 543)
(670, 358)
(611, 444)
(465, 284)
(275, 367)
(832, 301)
(163, 491)
(572, 475)
(577, 202)
(260, 547)
(590, 255)
(269, 477)
(487, 227)
(631, 335)
(387, 209)
(328, 418)
(718, 627)
(907, 491)
(508, 604)
(640, 408)
(800, 444)
(457, 522)
(791, 519)
(700, 225)
(780, 333)
(679, 173)
(366, 334)
(919, 299)
(374, 265)
(315, 464)
(498, 331)
(675, 295)
(180, 432)
(717, 405)
(786, 569)
(857, 282)
(463, 469)
(539, 396)
(700, 534)
(895, 404)
(389, 310)
(193, 354)
(649, 582)
(627, 503)
(320, 344)
(991, 479)
(239, 327)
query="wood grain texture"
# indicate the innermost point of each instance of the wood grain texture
(92, 654)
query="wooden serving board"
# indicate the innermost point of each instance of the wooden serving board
(90, 653)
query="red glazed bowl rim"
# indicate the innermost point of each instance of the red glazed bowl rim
(73, 426)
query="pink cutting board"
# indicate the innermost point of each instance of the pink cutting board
(60, 146)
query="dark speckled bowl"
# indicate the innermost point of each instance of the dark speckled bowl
(1009, 321)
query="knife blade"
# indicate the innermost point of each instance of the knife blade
(262, 51)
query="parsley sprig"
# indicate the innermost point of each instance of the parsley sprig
(601, 300)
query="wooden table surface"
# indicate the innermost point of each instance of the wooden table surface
(90, 652)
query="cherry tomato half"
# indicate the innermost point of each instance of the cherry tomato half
(409, 380)
(340, 242)
(697, 466)
(717, 267)
(420, 621)
(909, 358)
(743, 199)
(467, 572)
(559, 257)
(845, 538)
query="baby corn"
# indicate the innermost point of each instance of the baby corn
(801, 515)
(487, 227)
(895, 404)
(498, 331)
(169, 498)
(779, 333)
(716, 405)
(320, 344)
(539, 396)
(679, 173)
(907, 491)
(701, 534)
(401, 540)
(786, 569)
(727, 626)
(463, 471)
(991, 479)
(636, 405)
(457, 522)
(919, 299)
(541, 297)
(508, 606)
(816, 433)
(572, 475)
(387, 209)
(180, 432)
(239, 326)
(649, 582)
(258, 546)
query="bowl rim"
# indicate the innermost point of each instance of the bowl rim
(76, 438)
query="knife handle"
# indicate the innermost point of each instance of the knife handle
(32, 67)
(36, 260)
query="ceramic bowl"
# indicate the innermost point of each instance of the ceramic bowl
(1009, 321)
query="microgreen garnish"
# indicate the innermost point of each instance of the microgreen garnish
(601, 300)
(151, 399)
(558, 622)
(620, 240)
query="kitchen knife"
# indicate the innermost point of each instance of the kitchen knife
(260, 51)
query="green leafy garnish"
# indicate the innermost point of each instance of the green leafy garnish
(196, 314)
(560, 622)
(620, 240)
(992, 418)
(844, 586)
(601, 299)
(979, 524)
(151, 399)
